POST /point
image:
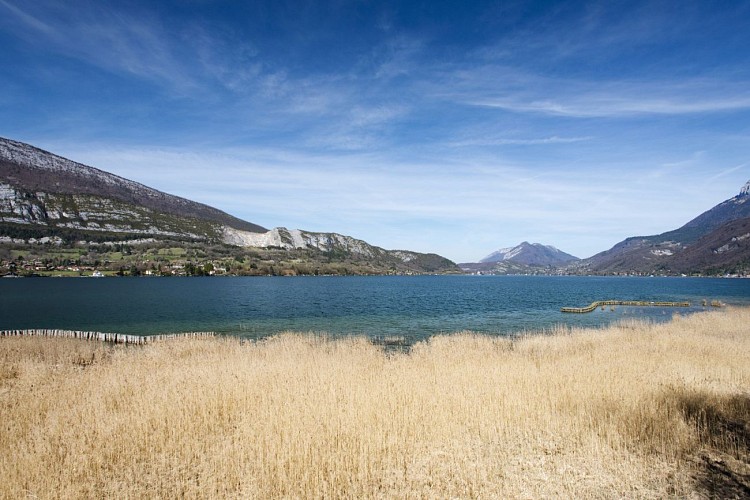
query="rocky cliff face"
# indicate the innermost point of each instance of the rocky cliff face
(282, 237)
(83, 212)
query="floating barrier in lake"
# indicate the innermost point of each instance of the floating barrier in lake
(115, 338)
(603, 303)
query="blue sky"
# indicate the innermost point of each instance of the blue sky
(449, 127)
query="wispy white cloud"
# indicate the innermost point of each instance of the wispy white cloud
(27, 19)
(225, 58)
(594, 31)
(499, 141)
(112, 40)
(605, 106)
(397, 56)
(730, 170)
(695, 158)
(186, 59)
(504, 88)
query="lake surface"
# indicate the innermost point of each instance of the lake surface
(413, 307)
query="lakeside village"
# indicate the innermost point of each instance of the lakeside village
(44, 267)
(41, 268)
(21, 268)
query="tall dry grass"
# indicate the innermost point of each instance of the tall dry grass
(637, 411)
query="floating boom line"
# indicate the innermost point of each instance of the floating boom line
(603, 303)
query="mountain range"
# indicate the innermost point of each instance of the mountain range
(49, 200)
(46, 197)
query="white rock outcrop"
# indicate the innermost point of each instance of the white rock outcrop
(291, 239)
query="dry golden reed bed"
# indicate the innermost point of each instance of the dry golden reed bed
(633, 411)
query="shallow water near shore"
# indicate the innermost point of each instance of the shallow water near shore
(413, 307)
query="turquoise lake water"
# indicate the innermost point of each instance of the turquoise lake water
(412, 307)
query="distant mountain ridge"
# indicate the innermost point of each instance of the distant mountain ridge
(521, 259)
(530, 254)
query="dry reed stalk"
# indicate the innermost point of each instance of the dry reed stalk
(629, 411)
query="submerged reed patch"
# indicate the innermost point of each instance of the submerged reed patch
(649, 410)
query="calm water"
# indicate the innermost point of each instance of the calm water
(413, 307)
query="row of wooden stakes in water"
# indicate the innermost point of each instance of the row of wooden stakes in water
(603, 303)
(116, 338)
